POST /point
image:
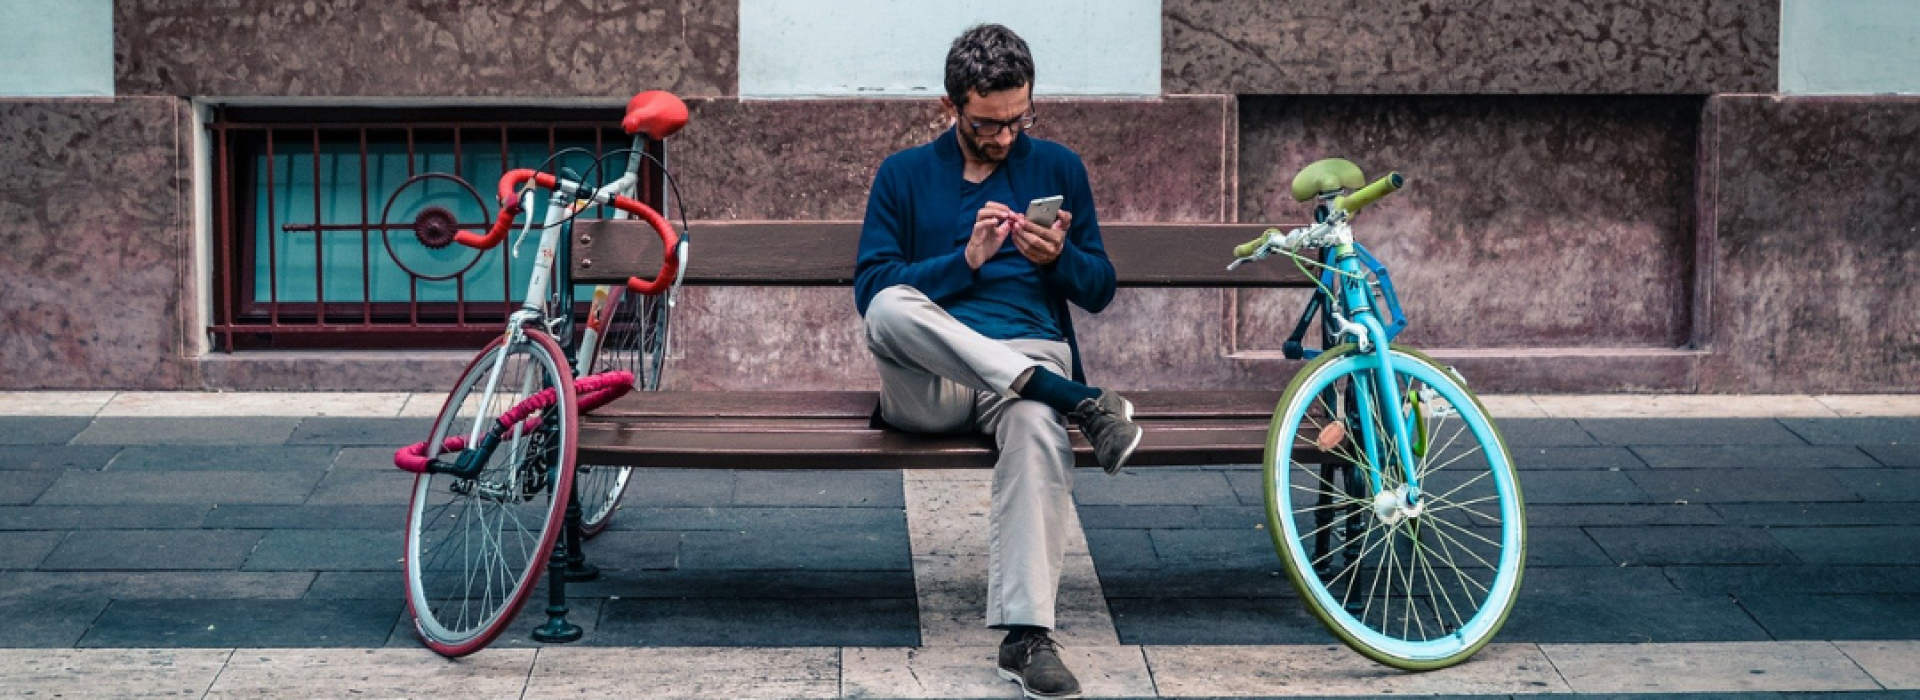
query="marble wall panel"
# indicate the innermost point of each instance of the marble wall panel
(425, 48)
(95, 254)
(1469, 47)
(1149, 160)
(786, 160)
(1817, 245)
(1526, 221)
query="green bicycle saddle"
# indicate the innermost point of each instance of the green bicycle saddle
(1327, 175)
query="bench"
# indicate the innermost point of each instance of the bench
(831, 430)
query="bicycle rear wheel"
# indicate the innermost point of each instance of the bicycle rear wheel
(476, 546)
(632, 333)
(1419, 587)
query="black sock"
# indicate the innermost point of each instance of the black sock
(1063, 394)
(1016, 633)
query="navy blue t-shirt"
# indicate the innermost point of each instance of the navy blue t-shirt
(1008, 301)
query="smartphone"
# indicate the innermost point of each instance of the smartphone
(1042, 211)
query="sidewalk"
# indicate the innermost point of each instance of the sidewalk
(1677, 544)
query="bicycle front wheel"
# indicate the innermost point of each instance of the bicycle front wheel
(1414, 578)
(476, 546)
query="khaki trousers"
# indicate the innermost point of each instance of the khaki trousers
(939, 376)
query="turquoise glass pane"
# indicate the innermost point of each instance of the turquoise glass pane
(360, 259)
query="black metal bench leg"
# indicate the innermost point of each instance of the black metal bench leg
(558, 630)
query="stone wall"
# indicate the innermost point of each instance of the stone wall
(1594, 204)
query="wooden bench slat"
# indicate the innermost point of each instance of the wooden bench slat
(605, 443)
(821, 253)
(787, 405)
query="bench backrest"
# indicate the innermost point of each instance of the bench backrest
(821, 253)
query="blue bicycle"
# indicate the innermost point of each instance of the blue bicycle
(1397, 513)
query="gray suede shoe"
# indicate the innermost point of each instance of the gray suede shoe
(1034, 663)
(1107, 422)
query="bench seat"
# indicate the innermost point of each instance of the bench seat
(830, 430)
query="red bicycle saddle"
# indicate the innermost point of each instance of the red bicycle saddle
(656, 113)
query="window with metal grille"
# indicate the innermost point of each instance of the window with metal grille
(319, 238)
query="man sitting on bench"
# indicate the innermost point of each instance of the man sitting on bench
(965, 302)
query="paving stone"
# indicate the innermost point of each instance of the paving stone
(1122, 549)
(216, 623)
(372, 673)
(350, 517)
(356, 584)
(759, 622)
(1499, 670)
(707, 583)
(369, 458)
(931, 671)
(1882, 546)
(679, 488)
(827, 549)
(329, 550)
(1818, 514)
(1171, 621)
(152, 550)
(47, 622)
(1802, 616)
(684, 673)
(111, 673)
(1620, 605)
(187, 431)
(1741, 580)
(1249, 485)
(126, 585)
(1688, 668)
(1856, 431)
(235, 458)
(1755, 457)
(1271, 582)
(1890, 663)
(22, 488)
(361, 431)
(356, 487)
(116, 517)
(1563, 546)
(25, 550)
(582, 611)
(1883, 485)
(1140, 487)
(1170, 517)
(1745, 485)
(56, 457)
(1690, 431)
(1244, 548)
(1895, 455)
(1566, 515)
(41, 430)
(1543, 432)
(179, 488)
(634, 551)
(869, 489)
(1566, 487)
(1664, 546)
(746, 518)
(1561, 457)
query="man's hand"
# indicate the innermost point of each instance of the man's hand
(1042, 244)
(990, 229)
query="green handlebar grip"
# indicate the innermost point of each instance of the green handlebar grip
(1250, 247)
(1382, 187)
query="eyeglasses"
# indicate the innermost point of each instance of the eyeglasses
(993, 127)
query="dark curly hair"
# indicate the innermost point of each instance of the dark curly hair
(987, 58)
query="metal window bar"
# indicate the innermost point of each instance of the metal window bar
(268, 303)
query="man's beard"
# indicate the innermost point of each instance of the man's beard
(979, 150)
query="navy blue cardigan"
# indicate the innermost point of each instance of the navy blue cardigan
(908, 235)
